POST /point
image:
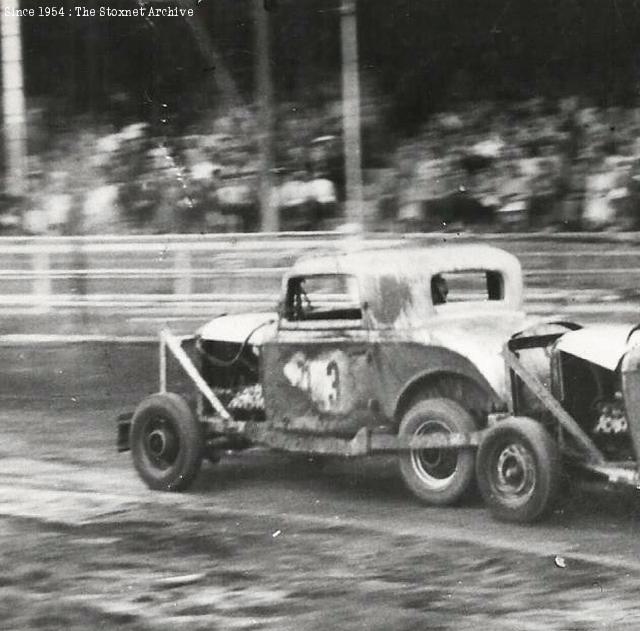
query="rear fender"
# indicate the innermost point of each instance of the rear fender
(468, 387)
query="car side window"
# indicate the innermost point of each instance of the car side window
(322, 297)
(466, 286)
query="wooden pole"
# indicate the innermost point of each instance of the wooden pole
(269, 219)
(13, 101)
(351, 114)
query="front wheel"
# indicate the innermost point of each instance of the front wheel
(437, 476)
(166, 442)
(519, 470)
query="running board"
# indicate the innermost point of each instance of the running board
(365, 441)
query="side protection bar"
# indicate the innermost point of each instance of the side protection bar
(174, 344)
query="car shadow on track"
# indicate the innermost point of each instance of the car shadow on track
(377, 480)
(374, 478)
(599, 505)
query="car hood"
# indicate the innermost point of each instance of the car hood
(480, 340)
(604, 345)
(257, 328)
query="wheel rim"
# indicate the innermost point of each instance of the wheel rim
(435, 467)
(161, 443)
(513, 475)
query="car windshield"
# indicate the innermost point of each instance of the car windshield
(323, 297)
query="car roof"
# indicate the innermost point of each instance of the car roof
(410, 261)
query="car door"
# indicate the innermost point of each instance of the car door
(317, 370)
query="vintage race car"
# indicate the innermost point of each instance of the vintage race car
(585, 415)
(367, 352)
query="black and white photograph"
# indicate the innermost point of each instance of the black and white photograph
(319, 315)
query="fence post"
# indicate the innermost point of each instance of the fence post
(183, 281)
(41, 290)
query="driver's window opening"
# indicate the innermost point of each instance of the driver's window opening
(466, 286)
(323, 297)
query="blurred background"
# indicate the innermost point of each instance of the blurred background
(511, 116)
(158, 167)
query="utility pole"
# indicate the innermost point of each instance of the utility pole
(269, 218)
(351, 113)
(13, 102)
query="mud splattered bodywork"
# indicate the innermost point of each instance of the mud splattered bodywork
(359, 336)
(369, 352)
(424, 353)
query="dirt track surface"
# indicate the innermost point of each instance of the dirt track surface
(264, 541)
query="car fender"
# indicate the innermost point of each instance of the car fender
(238, 328)
(405, 368)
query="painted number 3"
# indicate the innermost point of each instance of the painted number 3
(334, 383)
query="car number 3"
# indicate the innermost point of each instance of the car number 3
(333, 390)
(322, 378)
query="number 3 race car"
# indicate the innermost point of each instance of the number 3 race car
(399, 351)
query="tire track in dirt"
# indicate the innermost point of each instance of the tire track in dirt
(126, 561)
(74, 494)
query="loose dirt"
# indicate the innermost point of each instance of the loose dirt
(84, 546)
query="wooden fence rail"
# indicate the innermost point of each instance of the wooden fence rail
(134, 284)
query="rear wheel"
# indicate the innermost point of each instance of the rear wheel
(437, 476)
(166, 442)
(519, 470)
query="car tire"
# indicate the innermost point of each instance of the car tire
(437, 476)
(166, 442)
(519, 470)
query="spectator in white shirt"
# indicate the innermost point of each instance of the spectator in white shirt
(322, 198)
(294, 207)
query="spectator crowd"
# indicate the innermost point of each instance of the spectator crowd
(535, 165)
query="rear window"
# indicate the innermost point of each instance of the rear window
(466, 286)
(323, 297)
